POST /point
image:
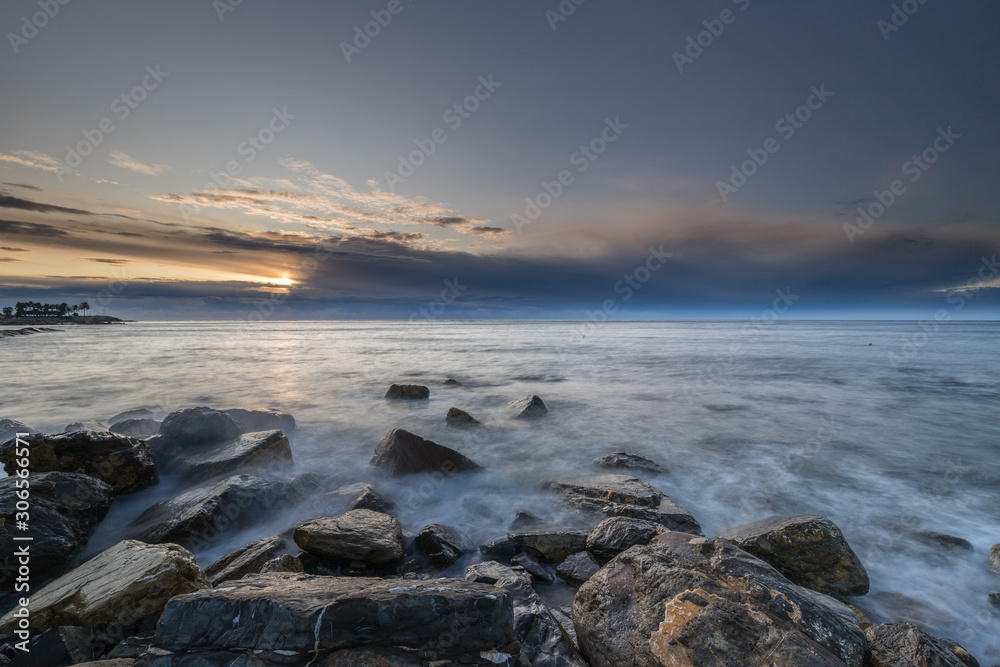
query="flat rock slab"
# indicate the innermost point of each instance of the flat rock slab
(248, 559)
(687, 601)
(250, 451)
(128, 582)
(403, 453)
(298, 618)
(262, 419)
(369, 537)
(810, 550)
(408, 391)
(125, 463)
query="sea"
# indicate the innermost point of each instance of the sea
(889, 429)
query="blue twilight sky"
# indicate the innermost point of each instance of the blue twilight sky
(195, 158)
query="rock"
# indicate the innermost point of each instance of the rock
(10, 427)
(263, 450)
(490, 572)
(443, 545)
(616, 534)
(994, 561)
(124, 584)
(137, 413)
(452, 383)
(403, 453)
(529, 407)
(500, 549)
(684, 600)
(904, 645)
(89, 425)
(947, 542)
(408, 391)
(544, 643)
(525, 520)
(456, 417)
(624, 495)
(130, 647)
(248, 559)
(196, 517)
(994, 599)
(531, 565)
(626, 461)
(283, 563)
(577, 569)
(566, 623)
(550, 545)
(124, 463)
(369, 499)
(66, 645)
(267, 419)
(299, 619)
(136, 428)
(65, 509)
(197, 426)
(809, 550)
(370, 537)
(116, 662)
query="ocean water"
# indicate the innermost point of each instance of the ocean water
(751, 420)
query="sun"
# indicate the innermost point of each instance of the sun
(284, 282)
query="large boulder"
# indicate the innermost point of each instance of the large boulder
(124, 463)
(197, 517)
(906, 645)
(249, 559)
(262, 419)
(402, 453)
(624, 495)
(136, 428)
(529, 407)
(442, 545)
(298, 619)
(195, 426)
(251, 451)
(616, 534)
(364, 536)
(687, 601)
(408, 391)
(810, 550)
(544, 643)
(65, 509)
(627, 461)
(11, 427)
(128, 582)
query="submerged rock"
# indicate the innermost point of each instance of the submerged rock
(529, 407)
(451, 382)
(905, 645)
(624, 495)
(135, 413)
(525, 520)
(994, 560)
(368, 537)
(810, 550)
(247, 452)
(262, 419)
(11, 427)
(948, 542)
(246, 560)
(456, 417)
(443, 545)
(136, 428)
(626, 461)
(577, 569)
(403, 453)
(363, 496)
(616, 534)
(408, 391)
(122, 462)
(65, 509)
(196, 426)
(124, 584)
(686, 600)
(299, 619)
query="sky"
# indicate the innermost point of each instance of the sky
(535, 159)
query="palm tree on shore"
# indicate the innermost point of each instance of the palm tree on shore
(84, 306)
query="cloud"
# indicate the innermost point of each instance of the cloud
(32, 230)
(120, 159)
(34, 160)
(103, 260)
(10, 259)
(11, 249)
(7, 201)
(23, 186)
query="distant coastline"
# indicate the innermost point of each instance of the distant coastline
(76, 319)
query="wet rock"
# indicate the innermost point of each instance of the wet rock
(538, 572)
(136, 428)
(525, 520)
(626, 461)
(283, 563)
(443, 545)
(250, 421)
(89, 425)
(137, 413)
(450, 382)
(624, 495)
(905, 645)
(550, 545)
(130, 647)
(893, 607)
(248, 559)
(124, 584)
(994, 599)
(686, 600)
(66, 645)
(122, 462)
(544, 643)
(65, 510)
(195, 518)
(370, 537)
(577, 569)
(408, 391)
(810, 550)
(251, 451)
(994, 560)
(299, 619)
(616, 534)
(490, 572)
(942, 540)
(456, 417)
(11, 427)
(197, 426)
(369, 499)
(403, 453)
(529, 407)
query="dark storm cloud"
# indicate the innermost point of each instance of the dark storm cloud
(7, 201)
(31, 229)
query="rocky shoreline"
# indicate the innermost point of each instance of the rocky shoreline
(358, 587)
(44, 321)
